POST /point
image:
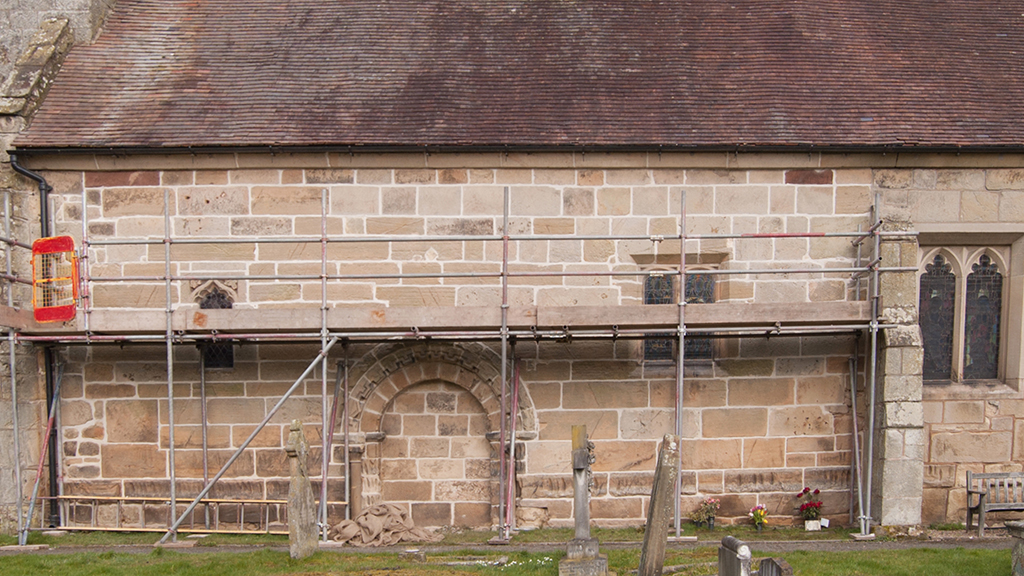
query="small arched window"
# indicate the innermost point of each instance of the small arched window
(217, 354)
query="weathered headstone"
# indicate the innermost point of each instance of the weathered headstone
(1016, 529)
(734, 557)
(659, 512)
(582, 556)
(302, 530)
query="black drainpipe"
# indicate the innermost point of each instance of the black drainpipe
(49, 360)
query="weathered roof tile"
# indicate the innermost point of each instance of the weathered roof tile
(692, 73)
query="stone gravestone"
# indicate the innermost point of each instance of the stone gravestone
(659, 512)
(582, 557)
(1016, 529)
(302, 529)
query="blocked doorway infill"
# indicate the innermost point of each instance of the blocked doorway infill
(436, 459)
(468, 370)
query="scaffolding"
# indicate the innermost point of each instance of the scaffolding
(504, 327)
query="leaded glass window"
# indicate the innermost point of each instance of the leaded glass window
(700, 289)
(938, 290)
(961, 313)
(659, 289)
(982, 306)
(217, 354)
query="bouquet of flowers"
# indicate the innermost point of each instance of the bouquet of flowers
(810, 509)
(759, 515)
(707, 511)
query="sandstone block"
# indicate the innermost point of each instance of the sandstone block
(189, 463)
(764, 452)
(452, 425)
(763, 481)
(74, 413)
(402, 469)
(355, 200)
(893, 178)
(748, 367)
(213, 200)
(902, 414)
(620, 370)
(535, 201)
(431, 514)
(472, 514)
(616, 456)
(972, 446)
(821, 390)
(621, 507)
(578, 202)
(610, 395)
(398, 200)
(964, 412)
(429, 448)
(712, 454)
(799, 421)
(613, 201)
(131, 420)
(760, 391)
(286, 200)
(741, 200)
(473, 447)
(809, 176)
(121, 178)
(441, 469)
(394, 225)
(133, 461)
(404, 491)
(255, 176)
(417, 295)
(463, 491)
(734, 422)
(646, 424)
(329, 176)
(134, 202)
(556, 425)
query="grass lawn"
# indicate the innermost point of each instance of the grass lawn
(697, 561)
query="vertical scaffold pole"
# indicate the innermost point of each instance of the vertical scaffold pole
(510, 501)
(169, 341)
(681, 357)
(325, 454)
(205, 429)
(503, 504)
(865, 521)
(344, 412)
(16, 428)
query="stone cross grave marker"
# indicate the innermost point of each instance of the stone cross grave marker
(659, 512)
(302, 529)
(582, 557)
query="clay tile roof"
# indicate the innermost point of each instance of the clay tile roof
(689, 73)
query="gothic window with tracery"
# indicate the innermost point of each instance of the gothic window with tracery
(983, 306)
(961, 315)
(938, 288)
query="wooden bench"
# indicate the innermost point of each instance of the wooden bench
(994, 492)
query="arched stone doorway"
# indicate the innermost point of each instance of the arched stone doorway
(428, 412)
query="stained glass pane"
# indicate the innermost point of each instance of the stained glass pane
(938, 287)
(982, 307)
(658, 290)
(217, 354)
(700, 289)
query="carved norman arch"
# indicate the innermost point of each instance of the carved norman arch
(385, 371)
